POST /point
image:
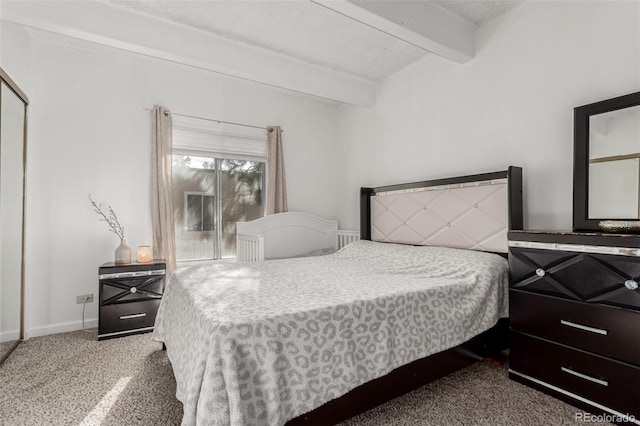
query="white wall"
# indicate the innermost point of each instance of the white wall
(90, 134)
(511, 105)
(15, 54)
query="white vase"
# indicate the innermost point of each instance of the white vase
(123, 253)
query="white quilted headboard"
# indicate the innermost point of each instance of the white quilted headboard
(471, 212)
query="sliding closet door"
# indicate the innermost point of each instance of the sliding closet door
(12, 143)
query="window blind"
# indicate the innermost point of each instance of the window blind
(225, 140)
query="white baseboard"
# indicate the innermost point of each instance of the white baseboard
(8, 336)
(60, 328)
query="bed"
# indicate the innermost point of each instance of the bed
(317, 340)
(290, 234)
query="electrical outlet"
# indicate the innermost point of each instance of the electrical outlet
(84, 298)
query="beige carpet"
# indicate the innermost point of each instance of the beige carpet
(72, 379)
(5, 346)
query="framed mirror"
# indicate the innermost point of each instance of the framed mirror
(13, 133)
(606, 168)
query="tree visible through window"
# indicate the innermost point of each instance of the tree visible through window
(209, 196)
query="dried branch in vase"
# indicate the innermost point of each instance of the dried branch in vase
(110, 217)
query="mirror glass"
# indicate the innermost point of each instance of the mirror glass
(614, 165)
(12, 116)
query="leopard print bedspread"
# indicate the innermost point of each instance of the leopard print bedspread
(261, 343)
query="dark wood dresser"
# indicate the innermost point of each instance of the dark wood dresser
(575, 318)
(129, 297)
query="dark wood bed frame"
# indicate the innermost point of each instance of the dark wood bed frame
(418, 373)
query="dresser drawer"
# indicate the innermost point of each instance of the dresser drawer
(590, 277)
(607, 331)
(613, 384)
(125, 317)
(610, 383)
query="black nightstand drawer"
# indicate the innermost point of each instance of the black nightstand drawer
(131, 289)
(598, 379)
(127, 317)
(606, 331)
(129, 297)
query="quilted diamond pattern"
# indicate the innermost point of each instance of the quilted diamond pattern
(426, 224)
(384, 222)
(450, 206)
(469, 217)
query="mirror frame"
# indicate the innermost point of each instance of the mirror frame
(581, 221)
(11, 85)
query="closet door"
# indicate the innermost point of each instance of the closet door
(12, 166)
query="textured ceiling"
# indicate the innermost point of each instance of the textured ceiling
(308, 31)
(300, 29)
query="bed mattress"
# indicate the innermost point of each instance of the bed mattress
(261, 343)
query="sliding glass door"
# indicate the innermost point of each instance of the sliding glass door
(210, 195)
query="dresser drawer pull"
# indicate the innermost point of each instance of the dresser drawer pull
(584, 327)
(631, 284)
(541, 272)
(124, 317)
(584, 376)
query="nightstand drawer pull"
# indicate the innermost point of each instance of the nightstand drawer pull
(631, 284)
(133, 289)
(124, 317)
(540, 272)
(584, 376)
(584, 327)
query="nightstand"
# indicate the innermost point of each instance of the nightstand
(129, 297)
(575, 318)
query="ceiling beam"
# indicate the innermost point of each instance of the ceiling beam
(420, 23)
(112, 26)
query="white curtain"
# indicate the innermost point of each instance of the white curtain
(276, 187)
(164, 242)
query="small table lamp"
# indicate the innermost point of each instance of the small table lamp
(144, 254)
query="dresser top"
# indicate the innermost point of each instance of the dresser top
(569, 237)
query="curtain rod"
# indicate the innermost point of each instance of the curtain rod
(213, 119)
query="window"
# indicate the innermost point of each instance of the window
(199, 214)
(210, 195)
